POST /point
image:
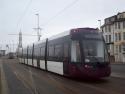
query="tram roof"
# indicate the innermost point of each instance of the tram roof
(65, 33)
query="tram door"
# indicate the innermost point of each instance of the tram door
(66, 66)
(66, 59)
(38, 57)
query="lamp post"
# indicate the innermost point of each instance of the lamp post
(7, 48)
(13, 45)
(99, 24)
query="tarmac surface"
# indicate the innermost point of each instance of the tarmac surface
(21, 79)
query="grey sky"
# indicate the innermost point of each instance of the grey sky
(84, 13)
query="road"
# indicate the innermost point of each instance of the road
(22, 79)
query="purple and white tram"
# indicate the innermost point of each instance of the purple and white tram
(79, 53)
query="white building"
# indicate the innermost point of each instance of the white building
(114, 34)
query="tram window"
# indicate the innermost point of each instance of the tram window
(75, 52)
(93, 50)
(51, 51)
(30, 52)
(42, 51)
(34, 51)
(58, 51)
(37, 51)
(25, 52)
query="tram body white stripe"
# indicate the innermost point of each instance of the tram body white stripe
(26, 62)
(20, 60)
(30, 62)
(23, 60)
(56, 67)
(42, 64)
(35, 62)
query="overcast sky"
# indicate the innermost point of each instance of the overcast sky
(20, 14)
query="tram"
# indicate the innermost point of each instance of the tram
(77, 53)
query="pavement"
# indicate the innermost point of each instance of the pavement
(22, 79)
(119, 75)
(118, 70)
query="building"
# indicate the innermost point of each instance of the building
(114, 34)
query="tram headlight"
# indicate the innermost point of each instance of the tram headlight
(88, 66)
(87, 60)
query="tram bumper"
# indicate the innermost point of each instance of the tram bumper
(90, 72)
(97, 73)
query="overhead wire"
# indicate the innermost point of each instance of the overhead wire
(24, 13)
(60, 12)
(49, 20)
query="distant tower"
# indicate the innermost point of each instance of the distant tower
(20, 39)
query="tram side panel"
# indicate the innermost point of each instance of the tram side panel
(42, 55)
(58, 54)
(30, 56)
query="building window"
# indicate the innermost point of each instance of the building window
(109, 38)
(120, 48)
(123, 47)
(120, 16)
(124, 35)
(108, 47)
(123, 24)
(107, 20)
(119, 25)
(105, 28)
(109, 29)
(116, 25)
(119, 35)
(116, 37)
(106, 38)
(116, 48)
(112, 19)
